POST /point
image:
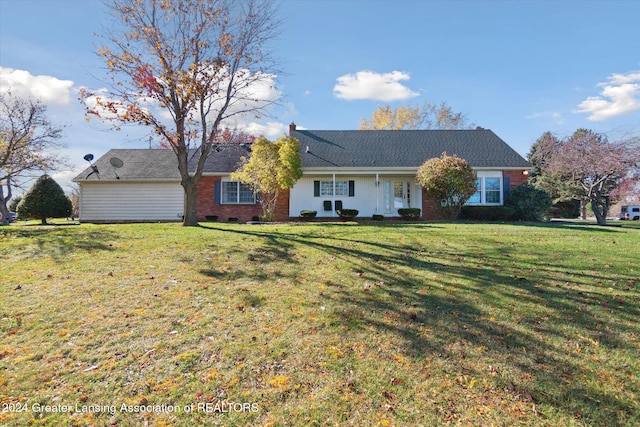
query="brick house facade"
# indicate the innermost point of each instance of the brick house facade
(371, 171)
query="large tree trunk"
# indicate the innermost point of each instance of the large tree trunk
(4, 210)
(190, 200)
(600, 218)
(4, 214)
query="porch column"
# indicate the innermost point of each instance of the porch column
(333, 201)
(377, 193)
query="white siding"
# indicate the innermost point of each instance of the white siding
(131, 201)
(368, 197)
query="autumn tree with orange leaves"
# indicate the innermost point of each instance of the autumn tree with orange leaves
(183, 67)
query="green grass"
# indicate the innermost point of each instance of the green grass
(320, 324)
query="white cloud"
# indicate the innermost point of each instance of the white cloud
(555, 116)
(371, 85)
(270, 130)
(47, 89)
(254, 93)
(620, 95)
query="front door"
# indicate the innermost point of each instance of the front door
(397, 195)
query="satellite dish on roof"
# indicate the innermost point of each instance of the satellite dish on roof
(94, 168)
(116, 162)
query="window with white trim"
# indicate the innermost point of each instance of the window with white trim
(476, 198)
(326, 188)
(489, 190)
(235, 192)
(492, 191)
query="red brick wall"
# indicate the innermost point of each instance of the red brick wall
(282, 207)
(517, 177)
(206, 204)
(430, 211)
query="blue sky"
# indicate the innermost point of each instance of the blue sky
(517, 67)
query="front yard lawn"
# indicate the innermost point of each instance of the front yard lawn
(320, 324)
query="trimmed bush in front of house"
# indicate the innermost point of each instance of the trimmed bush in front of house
(306, 214)
(347, 213)
(409, 213)
(528, 203)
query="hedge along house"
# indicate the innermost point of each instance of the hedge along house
(374, 171)
(371, 171)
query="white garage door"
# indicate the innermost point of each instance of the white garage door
(131, 201)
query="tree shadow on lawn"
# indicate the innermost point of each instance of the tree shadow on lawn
(571, 225)
(272, 249)
(531, 326)
(59, 242)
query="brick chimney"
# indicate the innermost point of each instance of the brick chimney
(292, 127)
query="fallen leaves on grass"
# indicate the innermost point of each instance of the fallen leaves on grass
(280, 382)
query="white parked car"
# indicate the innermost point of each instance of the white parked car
(630, 212)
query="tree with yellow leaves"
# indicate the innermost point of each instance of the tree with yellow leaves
(271, 168)
(427, 116)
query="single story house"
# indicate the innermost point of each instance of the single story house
(371, 171)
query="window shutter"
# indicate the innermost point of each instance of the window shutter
(216, 193)
(352, 188)
(506, 186)
(316, 188)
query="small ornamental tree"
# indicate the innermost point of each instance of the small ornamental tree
(271, 167)
(45, 199)
(450, 181)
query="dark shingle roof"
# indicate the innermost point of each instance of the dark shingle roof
(404, 148)
(327, 149)
(160, 164)
(136, 165)
(227, 160)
